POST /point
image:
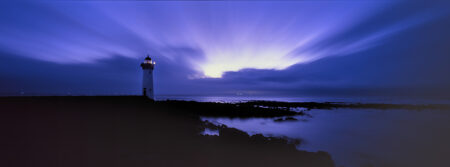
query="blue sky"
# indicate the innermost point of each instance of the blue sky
(226, 47)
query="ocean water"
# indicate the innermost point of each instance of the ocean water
(363, 137)
(355, 137)
(349, 99)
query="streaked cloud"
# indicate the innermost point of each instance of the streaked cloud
(231, 35)
(221, 46)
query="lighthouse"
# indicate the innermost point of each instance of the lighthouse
(147, 81)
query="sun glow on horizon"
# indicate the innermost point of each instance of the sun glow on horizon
(217, 70)
(217, 65)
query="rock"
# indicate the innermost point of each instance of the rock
(290, 119)
(285, 119)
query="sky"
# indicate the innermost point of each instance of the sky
(273, 48)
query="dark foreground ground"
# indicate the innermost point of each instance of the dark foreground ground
(133, 131)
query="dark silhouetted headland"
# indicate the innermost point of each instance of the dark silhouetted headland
(134, 131)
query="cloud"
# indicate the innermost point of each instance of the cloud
(232, 36)
(255, 47)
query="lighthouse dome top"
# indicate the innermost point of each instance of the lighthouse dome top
(148, 63)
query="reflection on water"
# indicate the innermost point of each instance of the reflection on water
(210, 132)
(363, 137)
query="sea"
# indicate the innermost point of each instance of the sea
(354, 137)
(346, 99)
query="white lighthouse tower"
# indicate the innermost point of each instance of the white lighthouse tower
(147, 84)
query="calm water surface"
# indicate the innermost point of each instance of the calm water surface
(352, 99)
(356, 137)
(363, 137)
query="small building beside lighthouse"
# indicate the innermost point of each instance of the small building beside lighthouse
(147, 81)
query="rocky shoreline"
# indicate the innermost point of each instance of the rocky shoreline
(134, 131)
